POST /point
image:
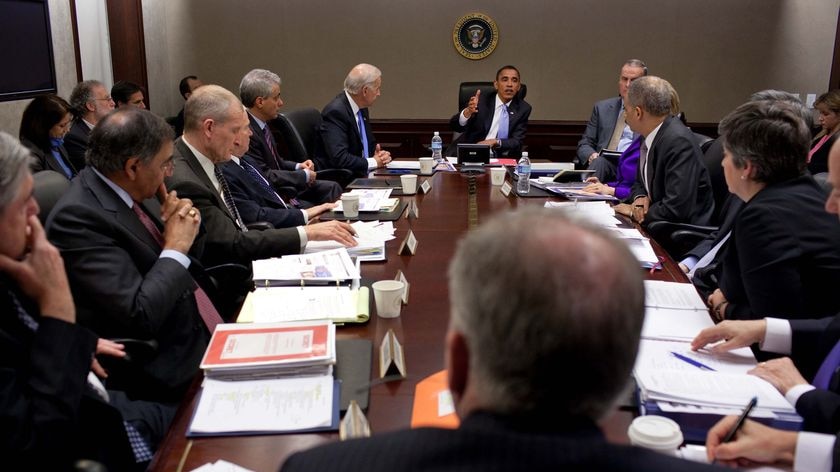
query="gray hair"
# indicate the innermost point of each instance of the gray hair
(528, 342)
(256, 84)
(209, 102)
(82, 94)
(14, 166)
(359, 77)
(125, 133)
(636, 63)
(771, 95)
(652, 94)
(769, 134)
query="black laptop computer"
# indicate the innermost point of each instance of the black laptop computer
(473, 157)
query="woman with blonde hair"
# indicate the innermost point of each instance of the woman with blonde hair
(828, 104)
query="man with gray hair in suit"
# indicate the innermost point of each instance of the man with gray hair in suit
(346, 139)
(606, 128)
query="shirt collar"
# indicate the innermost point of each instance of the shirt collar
(650, 137)
(124, 196)
(88, 123)
(353, 104)
(499, 101)
(205, 163)
(259, 121)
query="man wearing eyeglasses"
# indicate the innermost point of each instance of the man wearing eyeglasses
(91, 102)
(128, 259)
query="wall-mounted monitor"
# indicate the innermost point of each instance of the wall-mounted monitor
(26, 54)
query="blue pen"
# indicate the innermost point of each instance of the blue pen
(692, 361)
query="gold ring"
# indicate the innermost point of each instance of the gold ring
(192, 212)
(762, 364)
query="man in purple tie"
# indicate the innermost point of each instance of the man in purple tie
(814, 349)
(260, 93)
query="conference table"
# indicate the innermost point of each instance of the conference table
(455, 203)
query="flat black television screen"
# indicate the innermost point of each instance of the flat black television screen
(26, 54)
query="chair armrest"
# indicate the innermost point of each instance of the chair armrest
(342, 177)
(259, 226)
(137, 350)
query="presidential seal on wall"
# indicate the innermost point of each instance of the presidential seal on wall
(475, 36)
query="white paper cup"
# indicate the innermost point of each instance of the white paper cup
(426, 165)
(497, 175)
(656, 433)
(388, 297)
(409, 184)
(350, 205)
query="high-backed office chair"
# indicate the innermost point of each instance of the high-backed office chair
(48, 187)
(300, 130)
(465, 92)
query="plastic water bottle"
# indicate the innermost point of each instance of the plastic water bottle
(523, 171)
(437, 147)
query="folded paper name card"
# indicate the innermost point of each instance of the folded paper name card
(506, 188)
(426, 186)
(355, 424)
(408, 245)
(391, 359)
(412, 211)
(401, 277)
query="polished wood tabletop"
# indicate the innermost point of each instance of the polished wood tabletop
(444, 215)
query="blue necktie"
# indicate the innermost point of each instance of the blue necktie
(504, 123)
(823, 378)
(54, 144)
(361, 121)
(255, 174)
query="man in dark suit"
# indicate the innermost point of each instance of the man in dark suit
(606, 128)
(185, 87)
(672, 183)
(498, 120)
(132, 276)
(254, 196)
(260, 93)
(528, 389)
(346, 139)
(50, 416)
(214, 120)
(814, 349)
(91, 102)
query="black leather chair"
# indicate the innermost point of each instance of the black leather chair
(48, 187)
(300, 130)
(465, 92)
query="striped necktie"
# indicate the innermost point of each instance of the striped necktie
(228, 199)
(255, 175)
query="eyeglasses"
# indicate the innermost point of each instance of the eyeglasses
(107, 99)
(168, 166)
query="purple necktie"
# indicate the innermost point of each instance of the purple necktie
(827, 369)
(269, 139)
(208, 312)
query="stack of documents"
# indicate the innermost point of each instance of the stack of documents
(268, 378)
(281, 304)
(601, 214)
(571, 190)
(270, 350)
(326, 267)
(372, 200)
(370, 236)
(696, 388)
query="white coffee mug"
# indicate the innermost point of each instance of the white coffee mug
(426, 165)
(409, 184)
(388, 297)
(350, 205)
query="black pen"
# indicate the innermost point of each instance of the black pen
(732, 432)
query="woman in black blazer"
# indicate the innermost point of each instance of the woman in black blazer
(828, 104)
(43, 125)
(782, 258)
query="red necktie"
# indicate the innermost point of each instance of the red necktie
(208, 312)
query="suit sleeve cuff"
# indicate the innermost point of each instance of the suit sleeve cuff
(690, 262)
(793, 394)
(462, 120)
(372, 164)
(173, 254)
(814, 452)
(303, 238)
(305, 216)
(777, 336)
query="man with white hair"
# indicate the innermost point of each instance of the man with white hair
(346, 139)
(91, 102)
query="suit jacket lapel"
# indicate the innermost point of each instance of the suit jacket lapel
(196, 168)
(652, 152)
(122, 214)
(353, 118)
